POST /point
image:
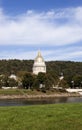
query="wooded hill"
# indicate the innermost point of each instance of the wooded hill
(68, 68)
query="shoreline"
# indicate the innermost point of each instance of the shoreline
(41, 96)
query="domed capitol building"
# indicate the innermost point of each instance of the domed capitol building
(39, 64)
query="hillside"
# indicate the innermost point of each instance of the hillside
(67, 67)
(71, 70)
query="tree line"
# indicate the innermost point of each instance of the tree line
(72, 72)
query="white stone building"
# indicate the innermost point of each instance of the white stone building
(39, 64)
(13, 76)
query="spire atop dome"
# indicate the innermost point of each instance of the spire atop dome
(39, 57)
(39, 53)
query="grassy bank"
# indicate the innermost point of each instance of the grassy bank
(24, 93)
(42, 117)
(16, 92)
(21, 92)
(27, 91)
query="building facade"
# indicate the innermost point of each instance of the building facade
(39, 64)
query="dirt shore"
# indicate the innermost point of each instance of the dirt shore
(42, 96)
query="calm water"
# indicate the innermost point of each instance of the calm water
(23, 102)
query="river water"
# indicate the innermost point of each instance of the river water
(24, 102)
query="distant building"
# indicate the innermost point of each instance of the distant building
(39, 64)
(61, 76)
(12, 76)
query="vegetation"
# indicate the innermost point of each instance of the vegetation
(72, 72)
(7, 81)
(28, 80)
(26, 92)
(42, 117)
(41, 81)
(12, 92)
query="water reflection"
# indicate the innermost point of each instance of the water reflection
(23, 102)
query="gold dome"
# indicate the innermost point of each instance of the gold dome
(39, 57)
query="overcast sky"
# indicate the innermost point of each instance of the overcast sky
(52, 26)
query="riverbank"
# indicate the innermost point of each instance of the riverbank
(29, 94)
(42, 117)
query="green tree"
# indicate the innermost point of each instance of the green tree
(77, 81)
(5, 81)
(41, 78)
(45, 80)
(28, 80)
(63, 84)
(12, 82)
(1, 82)
(49, 81)
(36, 83)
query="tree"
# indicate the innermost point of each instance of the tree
(1, 81)
(27, 80)
(45, 80)
(77, 81)
(5, 81)
(41, 78)
(36, 83)
(49, 81)
(12, 82)
(63, 84)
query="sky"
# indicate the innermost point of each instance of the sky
(52, 26)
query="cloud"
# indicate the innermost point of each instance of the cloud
(58, 32)
(54, 27)
(23, 54)
(73, 53)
